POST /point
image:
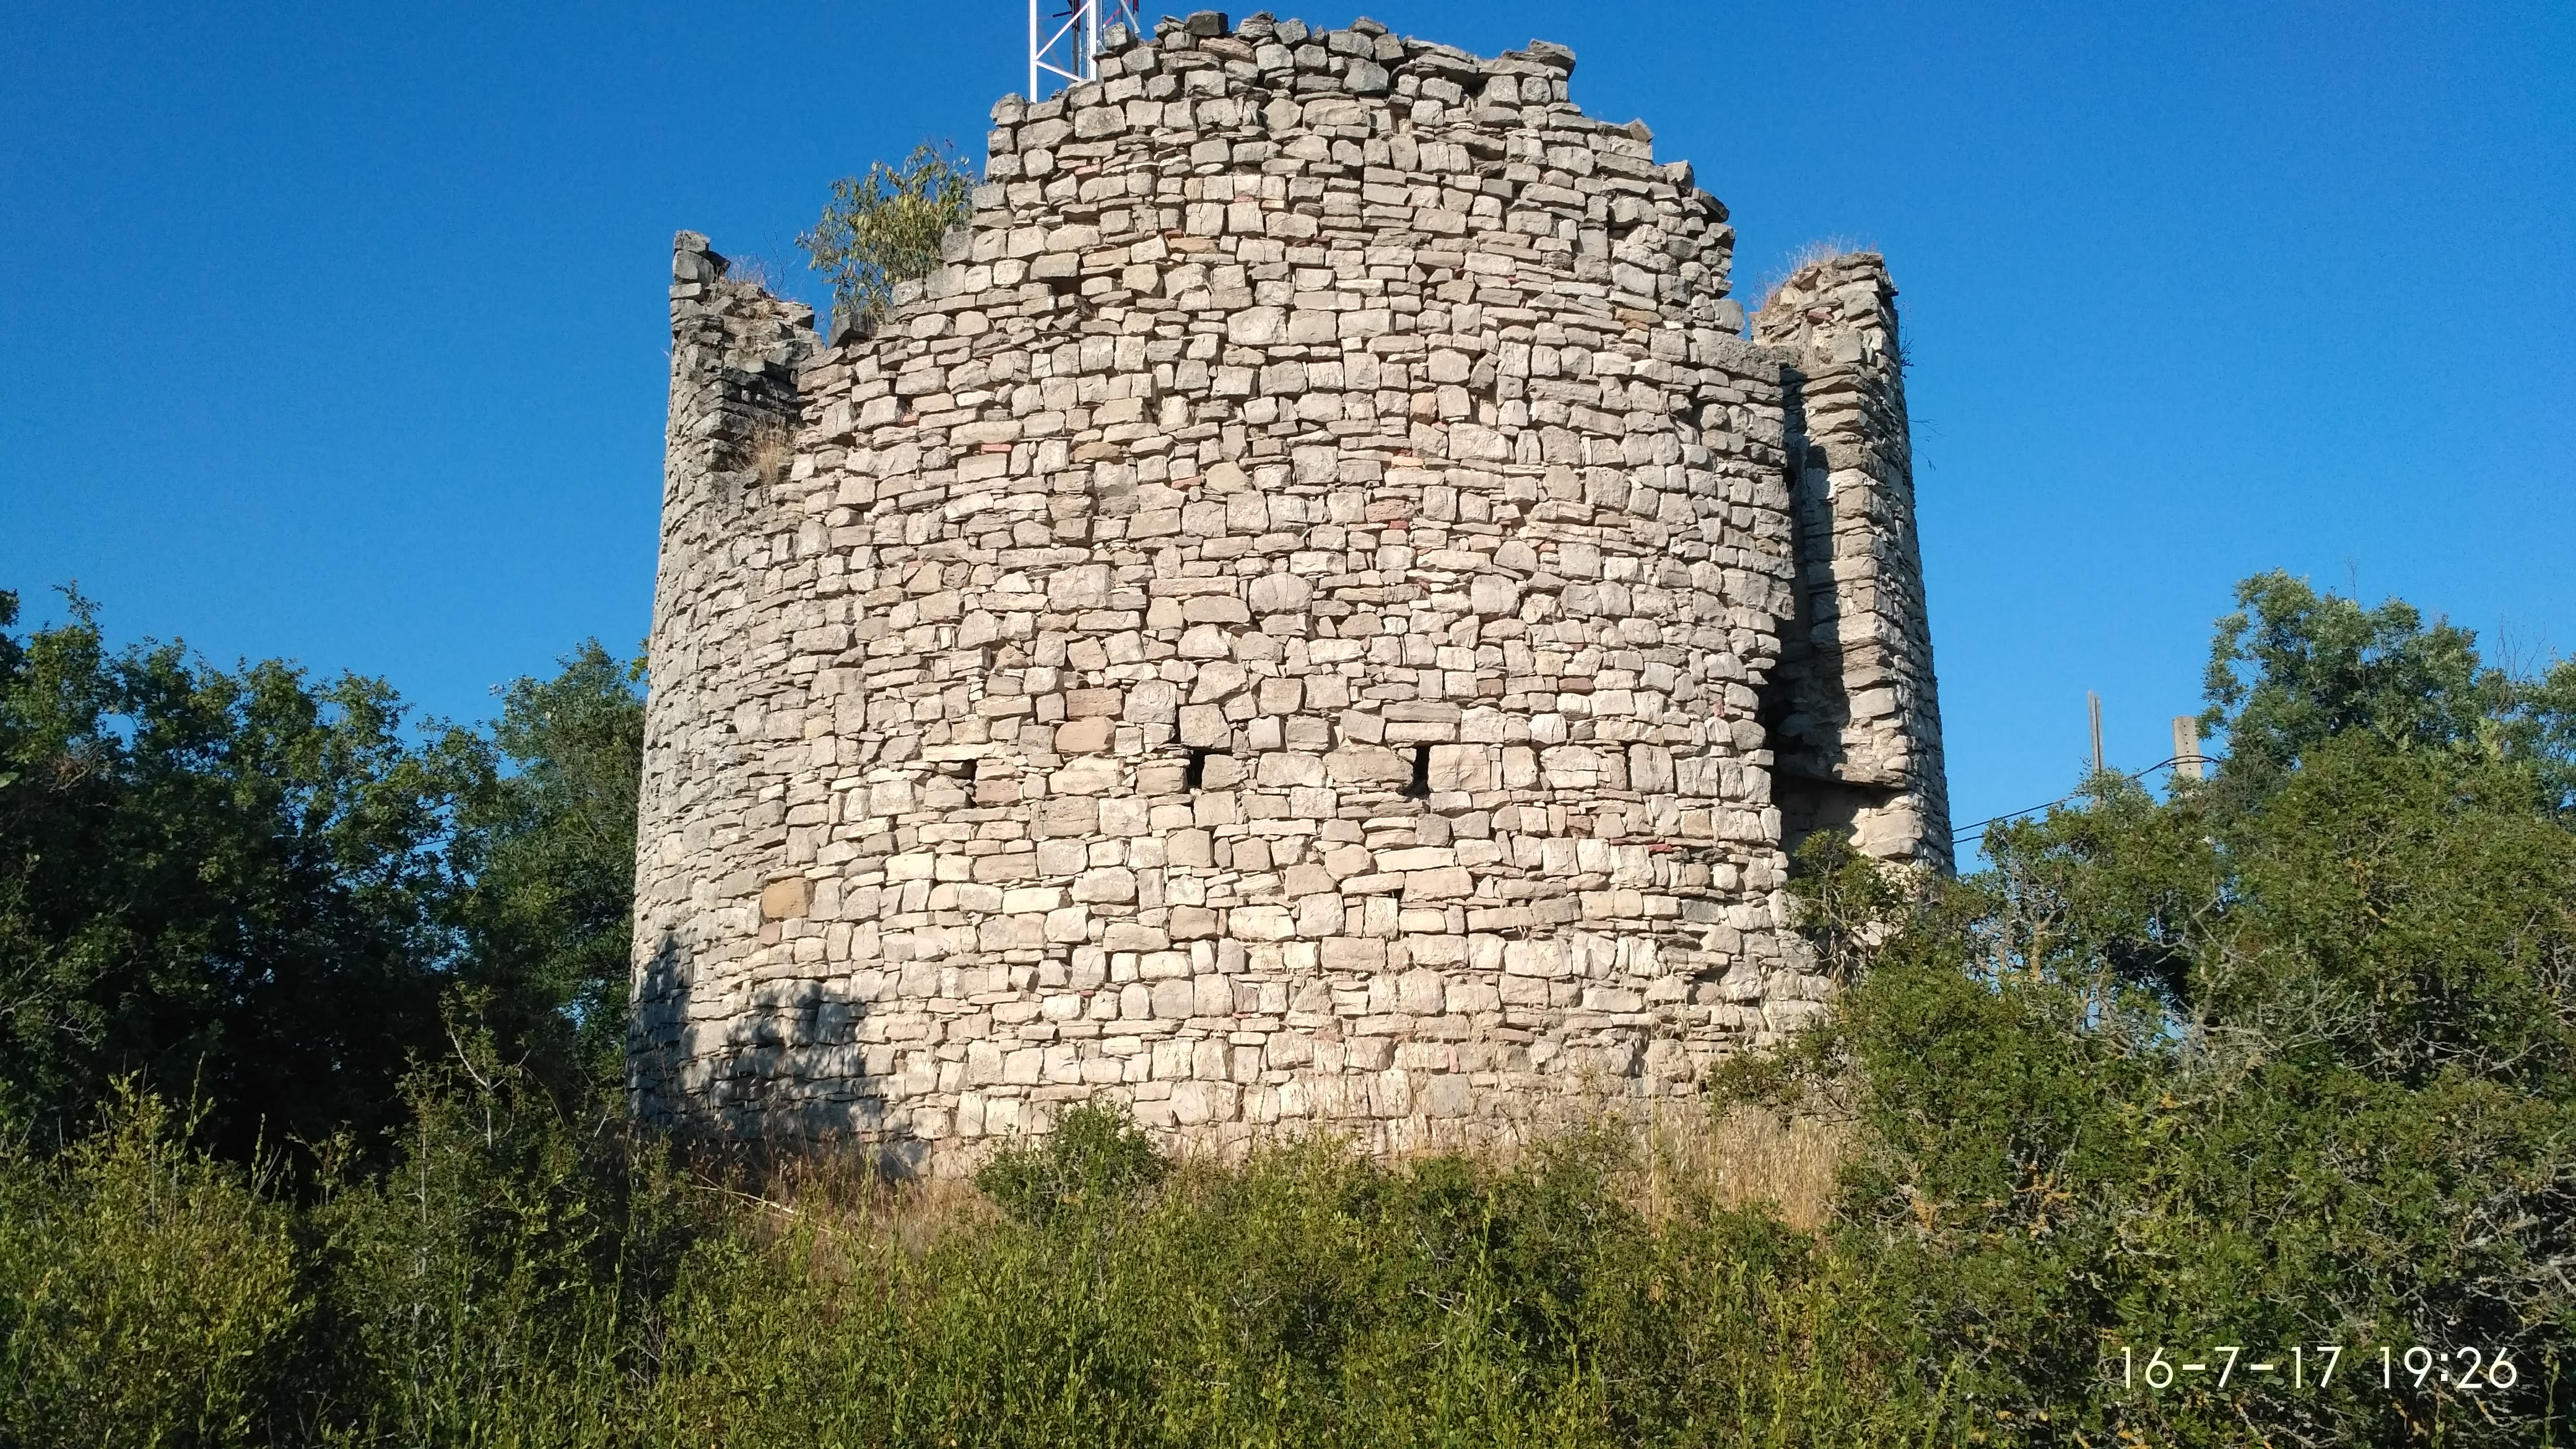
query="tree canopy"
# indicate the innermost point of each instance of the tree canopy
(2288, 1057)
(267, 893)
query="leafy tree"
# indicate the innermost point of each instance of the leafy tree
(255, 892)
(226, 883)
(2289, 1058)
(884, 227)
(545, 834)
(2293, 668)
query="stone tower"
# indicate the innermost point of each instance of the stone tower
(1315, 615)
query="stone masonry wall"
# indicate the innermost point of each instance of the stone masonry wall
(1855, 719)
(1278, 629)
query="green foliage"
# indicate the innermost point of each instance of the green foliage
(487, 1286)
(884, 227)
(2289, 1058)
(253, 891)
(2294, 668)
(148, 1294)
(201, 873)
(518, 1276)
(545, 831)
(1307, 1296)
(1094, 1163)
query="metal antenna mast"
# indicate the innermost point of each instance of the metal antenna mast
(1066, 44)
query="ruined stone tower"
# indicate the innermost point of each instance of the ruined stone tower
(1315, 614)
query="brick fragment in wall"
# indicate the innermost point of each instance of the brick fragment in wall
(1314, 615)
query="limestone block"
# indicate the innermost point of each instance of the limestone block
(1255, 326)
(1421, 992)
(1260, 923)
(1083, 736)
(1283, 769)
(786, 899)
(1367, 765)
(1153, 701)
(1211, 995)
(1650, 767)
(1107, 884)
(1352, 953)
(1089, 775)
(1446, 883)
(1132, 936)
(1494, 597)
(1062, 816)
(1460, 767)
(1280, 593)
(1446, 1095)
(1215, 609)
(1204, 725)
(1083, 586)
(1319, 915)
(1216, 680)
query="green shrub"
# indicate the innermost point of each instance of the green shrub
(885, 227)
(487, 1287)
(147, 1293)
(1096, 1161)
(2287, 1059)
(1305, 1296)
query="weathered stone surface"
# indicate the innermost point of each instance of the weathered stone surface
(1316, 613)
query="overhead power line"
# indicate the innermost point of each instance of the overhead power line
(1966, 832)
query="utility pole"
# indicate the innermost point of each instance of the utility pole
(2093, 702)
(2187, 757)
(1065, 46)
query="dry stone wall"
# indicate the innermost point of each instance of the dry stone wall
(1854, 715)
(1284, 628)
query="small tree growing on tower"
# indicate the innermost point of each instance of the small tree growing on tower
(884, 227)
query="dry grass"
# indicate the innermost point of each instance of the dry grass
(757, 270)
(1801, 257)
(772, 450)
(846, 1194)
(1689, 1158)
(1744, 1156)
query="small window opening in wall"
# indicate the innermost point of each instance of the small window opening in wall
(1419, 787)
(1194, 774)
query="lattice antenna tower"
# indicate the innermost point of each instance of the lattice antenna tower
(1065, 37)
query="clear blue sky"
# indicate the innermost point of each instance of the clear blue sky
(337, 331)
